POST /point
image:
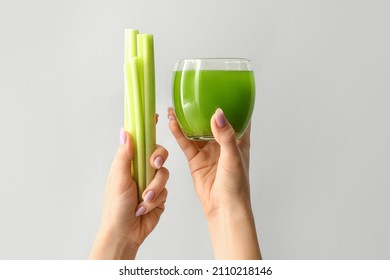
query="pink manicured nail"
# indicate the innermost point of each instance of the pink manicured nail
(220, 118)
(140, 211)
(149, 196)
(122, 137)
(158, 162)
(171, 118)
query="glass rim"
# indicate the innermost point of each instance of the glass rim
(223, 63)
(215, 59)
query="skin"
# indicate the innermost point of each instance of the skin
(220, 172)
(125, 223)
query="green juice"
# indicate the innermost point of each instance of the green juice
(197, 94)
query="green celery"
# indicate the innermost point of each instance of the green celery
(139, 134)
(140, 104)
(146, 66)
(130, 51)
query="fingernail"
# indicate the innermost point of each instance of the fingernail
(149, 196)
(220, 118)
(140, 211)
(158, 162)
(170, 117)
(122, 137)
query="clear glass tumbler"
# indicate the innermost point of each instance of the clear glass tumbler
(201, 85)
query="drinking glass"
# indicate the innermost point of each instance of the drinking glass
(201, 85)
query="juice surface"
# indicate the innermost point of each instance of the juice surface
(197, 94)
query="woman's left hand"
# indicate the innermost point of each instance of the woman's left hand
(126, 223)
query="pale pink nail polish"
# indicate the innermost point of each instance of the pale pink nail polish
(149, 196)
(158, 162)
(220, 118)
(140, 211)
(122, 137)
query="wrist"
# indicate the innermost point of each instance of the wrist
(227, 205)
(233, 233)
(230, 216)
(110, 246)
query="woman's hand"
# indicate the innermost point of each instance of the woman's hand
(220, 169)
(220, 172)
(125, 224)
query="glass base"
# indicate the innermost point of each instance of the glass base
(201, 137)
(206, 137)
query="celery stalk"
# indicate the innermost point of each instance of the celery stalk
(130, 51)
(130, 124)
(139, 133)
(140, 104)
(146, 66)
(130, 44)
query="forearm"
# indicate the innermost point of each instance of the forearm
(233, 234)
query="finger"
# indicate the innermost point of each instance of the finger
(145, 208)
(158, 157)
(157, 209)
(226, 137)
(156, 185)
(189, 148)
(223, 132)
(157, 116)
(152, 193)
(120, 172)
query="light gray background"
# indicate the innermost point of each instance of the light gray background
(320, 153)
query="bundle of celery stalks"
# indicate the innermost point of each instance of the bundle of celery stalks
(140, 104)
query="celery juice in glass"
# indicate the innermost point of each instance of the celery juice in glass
(200, 86)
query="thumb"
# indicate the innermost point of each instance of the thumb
(120, 173)
(225, 136)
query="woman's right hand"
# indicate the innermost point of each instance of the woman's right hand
(220, 172)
